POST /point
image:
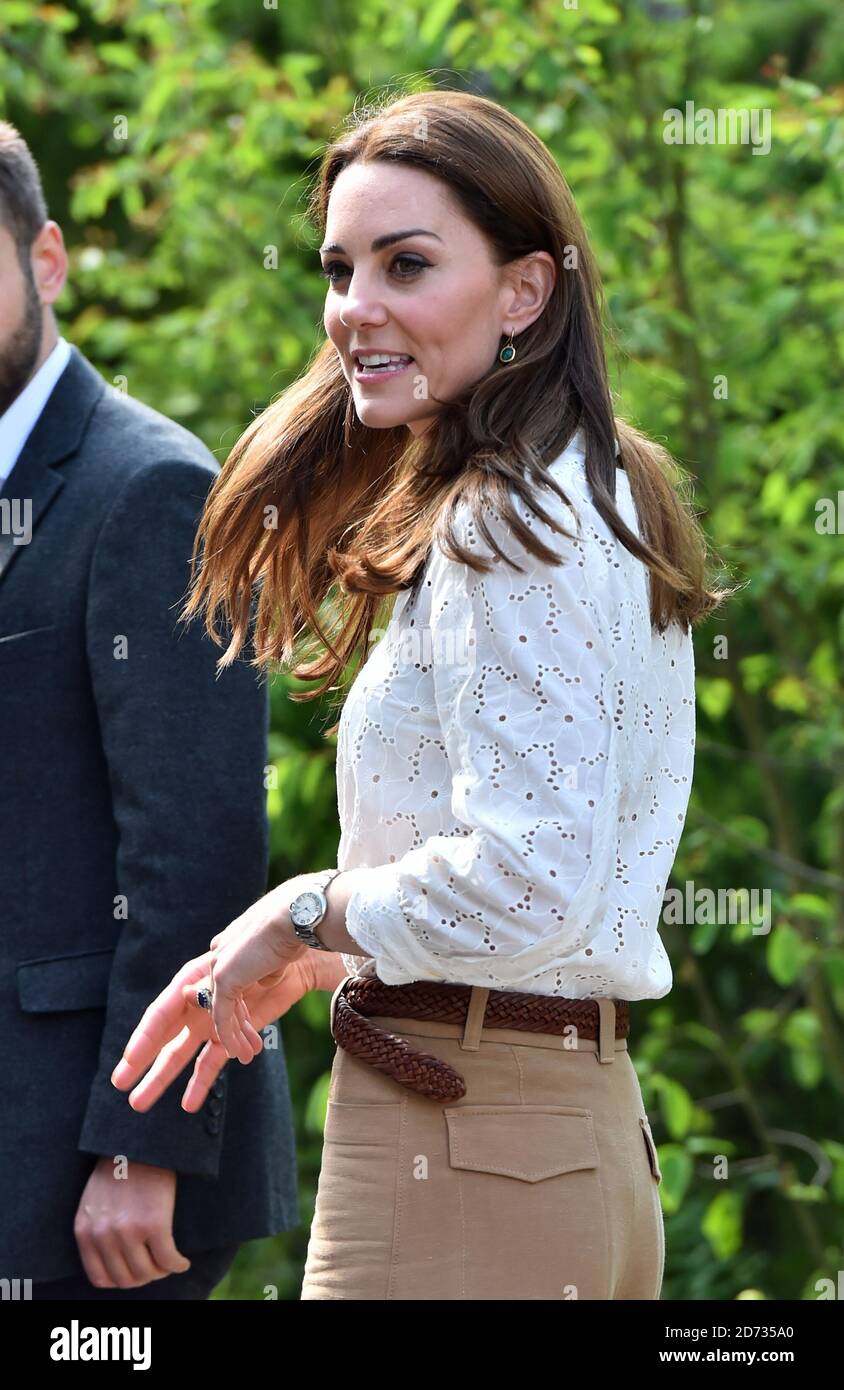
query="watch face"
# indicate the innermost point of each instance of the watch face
(306, 909)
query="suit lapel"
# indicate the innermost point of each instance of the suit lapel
(34, 482)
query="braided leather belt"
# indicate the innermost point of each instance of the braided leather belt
(358, 997)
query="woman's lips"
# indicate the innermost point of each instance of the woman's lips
(385, 373)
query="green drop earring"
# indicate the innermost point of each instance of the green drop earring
(508, 352)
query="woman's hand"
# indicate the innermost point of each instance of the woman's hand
(256, 969)
(256, 949)
(174, 1026)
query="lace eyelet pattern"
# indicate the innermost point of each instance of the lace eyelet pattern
(514, 765)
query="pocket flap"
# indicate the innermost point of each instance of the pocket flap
(530, 1142)
(61, 983)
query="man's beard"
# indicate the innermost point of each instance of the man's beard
(20, 353)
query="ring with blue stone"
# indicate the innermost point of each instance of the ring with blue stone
(204, 999)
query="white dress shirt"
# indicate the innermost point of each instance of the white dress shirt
(18, 422)
(514, 765)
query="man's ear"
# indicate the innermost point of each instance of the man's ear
(48, 258)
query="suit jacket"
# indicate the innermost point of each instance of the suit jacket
(132, 828)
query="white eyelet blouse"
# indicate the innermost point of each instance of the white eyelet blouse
(514, 762)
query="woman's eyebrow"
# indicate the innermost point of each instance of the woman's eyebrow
(380, 242)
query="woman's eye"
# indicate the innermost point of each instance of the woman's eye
(413, 264)
(335, 269)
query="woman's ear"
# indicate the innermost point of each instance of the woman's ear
(531, 280)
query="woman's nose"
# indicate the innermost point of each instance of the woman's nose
(361, 305)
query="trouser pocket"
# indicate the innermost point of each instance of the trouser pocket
(653, 1157)
(656, 1173)
(533, 1221)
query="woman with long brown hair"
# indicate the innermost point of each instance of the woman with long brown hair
(514, 754)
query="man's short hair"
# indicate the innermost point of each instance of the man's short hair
(23, 210)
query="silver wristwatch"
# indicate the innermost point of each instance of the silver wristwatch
(308, 909)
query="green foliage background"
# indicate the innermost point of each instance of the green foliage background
(176, 143)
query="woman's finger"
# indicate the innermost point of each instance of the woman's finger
(224, 1020)
(250, 1042)
(157, 1027)
(253, 1039)
(171, 1060)
(202, 988)
(243, 1048)
(161, 1021)
(207, 1068)
(224, 1008)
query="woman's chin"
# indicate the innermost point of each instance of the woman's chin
(383, 415)
(380, 415)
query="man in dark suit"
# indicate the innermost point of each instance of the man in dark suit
(133, 813)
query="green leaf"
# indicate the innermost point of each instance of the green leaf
(757, 671)
(810, 905)
(316, 1105)
(676, 1105)
(715, 695)
(677, 1170)
(437, 15)
(701, 1035)
(808, 1069)
(458, 37)
(790, 693)
(119, 55)
(760, 1023)
(722, 1224)
(710, 1144)
(805, 1192)
(703, 936)
(787, 953)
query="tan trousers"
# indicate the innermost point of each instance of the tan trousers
(541, 1183)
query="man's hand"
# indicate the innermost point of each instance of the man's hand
(124, 1226)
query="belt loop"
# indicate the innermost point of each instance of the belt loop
(606, 1029)
(471, 1038)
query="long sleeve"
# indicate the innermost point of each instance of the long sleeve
(185, 752)
(523, 669)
